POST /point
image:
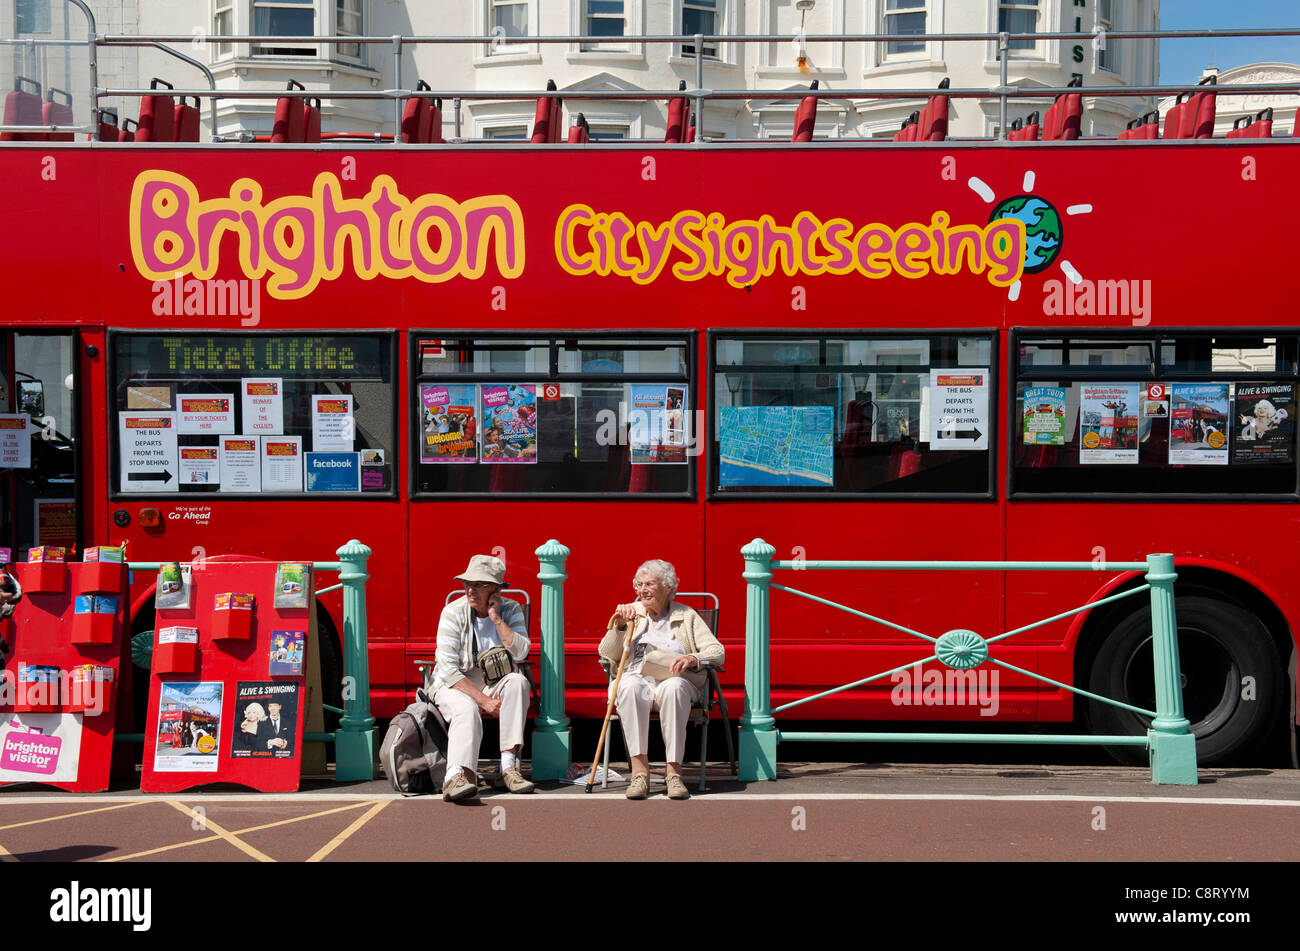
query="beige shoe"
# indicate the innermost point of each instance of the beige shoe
(514, 781)
(639, 788)
(458, 788)
(676, 788)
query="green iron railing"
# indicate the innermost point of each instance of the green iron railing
(1171, 745)
(354, 740)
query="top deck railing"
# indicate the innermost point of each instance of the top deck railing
(699, 94)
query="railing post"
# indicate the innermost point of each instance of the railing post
(757, 733)
(1171, 744)
(551, 737)
(354, 743)
(1004, 43)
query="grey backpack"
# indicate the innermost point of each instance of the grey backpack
(414, 751)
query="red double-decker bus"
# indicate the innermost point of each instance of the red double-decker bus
(663, 352)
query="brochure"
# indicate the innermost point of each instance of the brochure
(102, 553)
(1108, 423)
(286, 653)
(1198, 424)
(265, 718)
(510, 423)
(1044, 419)
(173, 590)
(450, 425)
(1265, 423)
(291, 583)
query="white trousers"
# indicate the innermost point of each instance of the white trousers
(465, 720)
(638, 696)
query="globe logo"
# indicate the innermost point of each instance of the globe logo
(1043, 232)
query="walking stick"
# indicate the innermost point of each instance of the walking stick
(609, 708)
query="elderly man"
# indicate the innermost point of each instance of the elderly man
(469, 627)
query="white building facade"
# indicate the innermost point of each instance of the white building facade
(511, 62)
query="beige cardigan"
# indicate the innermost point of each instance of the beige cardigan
(687, 626)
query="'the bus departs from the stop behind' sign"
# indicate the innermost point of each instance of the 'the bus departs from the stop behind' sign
(959, 409)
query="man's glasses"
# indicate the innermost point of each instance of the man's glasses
(478, 585)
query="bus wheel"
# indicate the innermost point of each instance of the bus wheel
(1231, 679)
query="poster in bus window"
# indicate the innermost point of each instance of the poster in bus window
(332, 428)
(15, 441)
(957, 411)
(238, 464)
(203, 414)
(1264, 430)
(263, 405)
(657, 423)
(1108, 423)
(189, 727)
(200, 466)
(776, 446)
(1044, 416)
(149, 397)
(509, 422)
(1198, 424)
(264, 720)
(147, 452)
(281, 463)
(449, 423)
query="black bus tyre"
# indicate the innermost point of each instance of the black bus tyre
(1219, 646)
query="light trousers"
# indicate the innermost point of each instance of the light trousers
(465, 720)
(638, 696)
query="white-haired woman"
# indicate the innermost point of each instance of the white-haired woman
(670, 646)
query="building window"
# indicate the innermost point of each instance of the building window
(348, 22)
(223, 24)
(509, 17)
(284, 18)
(603, 18)
(1019, 16)
(904, 18)
(32, 16)
(518, 133)
(700, 16)
(1105, 19)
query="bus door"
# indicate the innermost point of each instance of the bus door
(38, 441)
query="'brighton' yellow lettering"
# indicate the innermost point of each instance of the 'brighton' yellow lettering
(297, 241)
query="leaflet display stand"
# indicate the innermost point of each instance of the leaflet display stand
(67, 680)
(226, 709)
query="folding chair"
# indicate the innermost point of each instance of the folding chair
(701, 710)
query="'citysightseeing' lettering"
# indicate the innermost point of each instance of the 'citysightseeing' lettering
(297, 241)
(604, 243)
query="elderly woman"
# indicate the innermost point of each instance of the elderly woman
(670, 645)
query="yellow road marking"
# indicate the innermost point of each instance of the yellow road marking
(212, 838)
(342, 837)
(222, 833)
(6, 855)
(84, 812)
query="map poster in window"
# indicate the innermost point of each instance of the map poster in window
(1044, 421)
(332, 428)
(206, 413)
(189, 727)
(449, 423)
(263, 726)
(1264, 430)
(776, 446)
(1198, 424)
(282, 464)
(263, 405)
(1108, 423)
(509, 422)
(657, 423)
(238, 464)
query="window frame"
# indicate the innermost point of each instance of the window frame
(713, 493)
(306, 52)
(35, 5)
(614, 44)
(222, 51)
(884, 56)
(115, 494)
(719, 11)
(1021, 6)
(1153, 373)
(414, 377)
(1105, 60)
